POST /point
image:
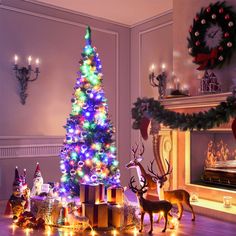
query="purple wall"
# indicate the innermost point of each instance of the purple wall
(57, 38)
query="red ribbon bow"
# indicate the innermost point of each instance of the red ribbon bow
(204, 58)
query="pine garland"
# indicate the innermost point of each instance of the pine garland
(214, 117)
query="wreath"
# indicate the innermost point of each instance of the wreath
(212, 38)
(150, 109)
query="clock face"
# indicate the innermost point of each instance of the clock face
(213, 36)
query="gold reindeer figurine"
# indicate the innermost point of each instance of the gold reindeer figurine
(135, 163)
(150, 207)
(178, 196)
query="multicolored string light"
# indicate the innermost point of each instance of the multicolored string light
(89, 153)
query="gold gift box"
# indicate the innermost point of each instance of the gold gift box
(116, 216)
(96, 213)
(115, 195)
(48, 209)
(92, 193)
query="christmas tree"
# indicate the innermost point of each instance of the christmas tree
(89, 153)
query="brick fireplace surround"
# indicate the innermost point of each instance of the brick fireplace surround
(174, 145)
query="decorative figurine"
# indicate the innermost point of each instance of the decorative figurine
(150, 207)
(17, 201)
(178, 196)
(37, 182)
(135, 163)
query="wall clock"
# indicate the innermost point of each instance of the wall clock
(212, 36)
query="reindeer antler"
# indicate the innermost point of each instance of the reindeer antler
(134, 150)
(133, 188)
(143, 149)
(144, 185)
(169, 170)
(156, 176)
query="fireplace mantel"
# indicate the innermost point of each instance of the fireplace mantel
(209, 100)
(179, 155)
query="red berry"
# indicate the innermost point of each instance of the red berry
(226, 35)
(221, 10)
(208, 9)
(220, 48)
(197, 43)
(196, 18)
(227, 17)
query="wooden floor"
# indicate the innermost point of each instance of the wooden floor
(203, 226)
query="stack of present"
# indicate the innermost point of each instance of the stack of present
(100, 213)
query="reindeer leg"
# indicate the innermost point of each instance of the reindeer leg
(151, 221)
(142, 216)
(166, 220)
(180, 209)
(189, 205)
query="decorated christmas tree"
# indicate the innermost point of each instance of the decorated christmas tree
(89, 153)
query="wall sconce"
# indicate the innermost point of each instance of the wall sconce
(159, 80)
(23, 74)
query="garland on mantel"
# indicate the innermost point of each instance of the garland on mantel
(152, 109)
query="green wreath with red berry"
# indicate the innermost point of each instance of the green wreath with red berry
(212, 36)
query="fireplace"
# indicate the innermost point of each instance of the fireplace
(213, 159)
(187, 152)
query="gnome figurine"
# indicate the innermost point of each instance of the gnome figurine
(25, 191)
(17, 201)
(37, 182)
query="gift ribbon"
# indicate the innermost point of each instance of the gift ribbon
(101, 192)
(95, 219)
(205, 58)
(113, 194)
(86, 193)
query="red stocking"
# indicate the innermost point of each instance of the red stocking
(233, 126)
(144, 127)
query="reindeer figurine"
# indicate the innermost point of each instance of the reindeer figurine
(135, 163)
(150, 207)
(178, 196)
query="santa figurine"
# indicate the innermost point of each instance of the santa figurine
(37, 182)
(17, 201)
(25, 191)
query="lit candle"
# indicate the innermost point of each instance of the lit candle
(194, 197)
(15, 59)
(29, 60)
(227, 201)
(152, 68)
(114, 232)
(37, 62)
(177, 82)
(163, 67)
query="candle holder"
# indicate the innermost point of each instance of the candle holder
(193, 197)
(159, 81)
(227, 201)
(23, 74)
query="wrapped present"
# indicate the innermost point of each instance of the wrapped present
(96, 213)
(46, 208)
(115, 195)
(92, 193)
(116, 216)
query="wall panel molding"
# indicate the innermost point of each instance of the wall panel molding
(30, 146)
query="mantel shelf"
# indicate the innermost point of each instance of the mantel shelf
(209, 100)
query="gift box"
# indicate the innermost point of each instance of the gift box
(116, 216)
(115, 195)
(46, 208)
(96, 213)
(92, 193)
